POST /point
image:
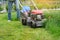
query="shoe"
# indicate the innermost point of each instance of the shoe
(9, 20)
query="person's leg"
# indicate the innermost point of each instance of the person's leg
(9, 9)
(17, 8)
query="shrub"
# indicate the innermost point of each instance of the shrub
(1, 8)
(7, 7)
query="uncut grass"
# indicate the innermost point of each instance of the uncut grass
(53, 24)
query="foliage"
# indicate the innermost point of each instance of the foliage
(53, 23)
(1, 8)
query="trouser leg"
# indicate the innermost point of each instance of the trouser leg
(9, 9)
(17, 8)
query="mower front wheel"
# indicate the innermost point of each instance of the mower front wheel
(33, 25)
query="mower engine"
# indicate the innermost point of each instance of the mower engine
(37, 18)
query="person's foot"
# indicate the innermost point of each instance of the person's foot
(9, 20)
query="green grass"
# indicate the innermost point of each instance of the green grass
(53, 24)
(14, 30)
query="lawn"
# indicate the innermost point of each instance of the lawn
(14, 30)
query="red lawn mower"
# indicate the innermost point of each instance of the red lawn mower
(34, 18)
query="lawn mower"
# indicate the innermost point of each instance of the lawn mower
(34, 18)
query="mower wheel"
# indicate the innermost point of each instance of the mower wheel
(33, 25)
(24, 21)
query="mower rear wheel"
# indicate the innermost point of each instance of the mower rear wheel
(24, 21)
